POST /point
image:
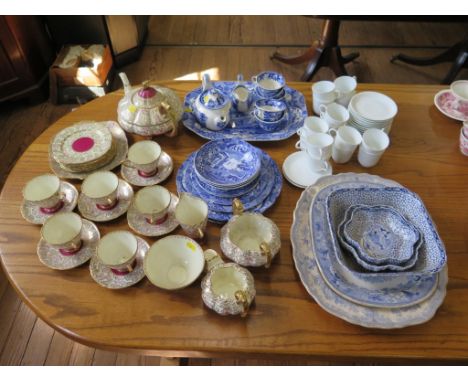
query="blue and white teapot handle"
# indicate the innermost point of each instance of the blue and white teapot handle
(206, 82)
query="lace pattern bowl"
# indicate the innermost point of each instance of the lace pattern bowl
(379, 235)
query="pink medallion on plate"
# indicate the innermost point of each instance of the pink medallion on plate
(83, 144)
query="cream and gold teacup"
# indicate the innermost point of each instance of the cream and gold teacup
(153, 204)
(144, 157)
(192, 214)
(117, 250)
(101, 187)
(63, 232)
(44, 192)
(227, 288)
(250, 239)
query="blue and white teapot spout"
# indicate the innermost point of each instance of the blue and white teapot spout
(212, 106)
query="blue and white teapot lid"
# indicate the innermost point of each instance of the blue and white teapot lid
(211, 97)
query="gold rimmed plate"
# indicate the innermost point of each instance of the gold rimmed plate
(52, 258)
(33, 214)
(121, 149)
(89, 210)
(140, 225)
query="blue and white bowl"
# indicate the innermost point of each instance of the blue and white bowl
(272, 126)
(269, 84)
(270, 110)
(227, 163)
(380, 235)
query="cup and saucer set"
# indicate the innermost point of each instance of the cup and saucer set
(453, 102)
(45, 195)
(263, 109)
(147, 164)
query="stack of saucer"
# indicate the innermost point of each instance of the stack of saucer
(369, 110)
(230, 168)
(85, 147)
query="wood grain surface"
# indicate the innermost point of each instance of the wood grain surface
(284, 321)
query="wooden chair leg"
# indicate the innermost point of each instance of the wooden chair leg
(446, 56)
(294, 60)
(457, 65)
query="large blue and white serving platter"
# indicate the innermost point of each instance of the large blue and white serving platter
(244, 125)
(404, 291)
(261, 197)
(227, 163)
(313, 280)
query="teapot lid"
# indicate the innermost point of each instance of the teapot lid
(147, 97)
(213, 99)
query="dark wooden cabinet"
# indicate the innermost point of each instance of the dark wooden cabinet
(25, 57)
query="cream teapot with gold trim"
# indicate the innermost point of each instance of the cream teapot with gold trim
(149, 109)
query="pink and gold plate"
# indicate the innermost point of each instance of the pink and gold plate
(448, 104)
(86, 147)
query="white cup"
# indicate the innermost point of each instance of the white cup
(192, 214)
(347, 138)
(153, 203)
(323, 93)
(319, 147)
(335, 115)
(460, 90)
(118, 250)
(312, 125)
(345, 87)
(102, 188)
(374, 143)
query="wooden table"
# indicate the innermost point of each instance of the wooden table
(284, 322)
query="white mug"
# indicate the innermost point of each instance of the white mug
(153, 204)
(144, 156)
(374, 143)
(192, 214)
(117, 250)
(44, 192)
(347, 138)
(335, 115)
(319, 147)
(345, 87)
(63, 232)
(102, 188)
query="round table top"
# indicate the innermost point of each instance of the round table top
(284, 320)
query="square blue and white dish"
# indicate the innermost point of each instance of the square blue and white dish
(243, 125)
(376, 289)
(379, 235)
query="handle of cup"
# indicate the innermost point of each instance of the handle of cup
(298, 145)
(332, 131)
(254, 79)
(241, 298)
(323, 109)
(266, 251)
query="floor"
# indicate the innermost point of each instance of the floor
(184, 47)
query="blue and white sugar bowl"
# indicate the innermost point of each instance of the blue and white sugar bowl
(212, 106)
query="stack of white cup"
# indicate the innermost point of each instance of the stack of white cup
(340, 91)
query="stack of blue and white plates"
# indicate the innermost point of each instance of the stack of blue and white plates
(224, 169)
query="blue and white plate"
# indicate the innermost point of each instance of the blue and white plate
(274, 177)
(400, 295)
(227, 163)
(217, 203)
(371, 317)
(244, 125)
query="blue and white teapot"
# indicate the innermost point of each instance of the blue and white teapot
(212, 106)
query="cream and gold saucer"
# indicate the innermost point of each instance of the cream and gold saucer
(51, 257)
(32, 213)
(104, 276)
(89, 209)
(121, 149)
(165, 167)
(138, 223)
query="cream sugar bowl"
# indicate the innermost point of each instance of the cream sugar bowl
(250, 239)
(227, 288)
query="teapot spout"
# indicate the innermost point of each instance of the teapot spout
(126, 82)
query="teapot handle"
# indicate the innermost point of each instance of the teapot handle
(125, 82)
